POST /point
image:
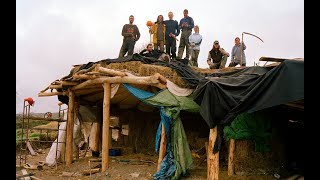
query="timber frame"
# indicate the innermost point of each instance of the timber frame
(99, 79)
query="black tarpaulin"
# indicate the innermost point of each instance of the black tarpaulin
(251, 89)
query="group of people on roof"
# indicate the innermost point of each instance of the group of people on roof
(163, 46)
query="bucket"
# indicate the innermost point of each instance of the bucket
(114, 152)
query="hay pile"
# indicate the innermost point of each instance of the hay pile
(249, 162)
(140, 69)
(50, 125)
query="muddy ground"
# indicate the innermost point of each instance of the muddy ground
(127, 166)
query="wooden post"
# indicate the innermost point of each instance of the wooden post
(163, 143)
(230, 158)
(95, 137)
(76, 153)
(105, 126)
(212, 159)
(69, 142)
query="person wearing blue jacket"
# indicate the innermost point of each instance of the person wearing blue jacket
(172, 32)
(186, 25)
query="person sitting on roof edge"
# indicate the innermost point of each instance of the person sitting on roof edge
(237, 52)
(217, 56)
(150, 52)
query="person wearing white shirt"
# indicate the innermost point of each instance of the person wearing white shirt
(194, 41)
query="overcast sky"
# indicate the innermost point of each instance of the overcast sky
(53, 35)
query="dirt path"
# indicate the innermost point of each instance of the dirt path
(131, 166)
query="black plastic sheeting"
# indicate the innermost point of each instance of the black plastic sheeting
(248, 90)
(224, 95)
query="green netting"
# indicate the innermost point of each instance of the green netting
(251, 126)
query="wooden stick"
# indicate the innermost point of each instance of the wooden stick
(86, 70)
(42, 94)
(85, 76)
(76, 153)
(45, 119)
(90, 171)
(230, 158)
(95, 140)
(105, 127)
(69, 141)
(24, 172)
(109, 71)
(68, 83)
(149, 80)
(35, 178)
(31, 149)
(59, 86)
(45, 89)
(163, 147)
(213, 159)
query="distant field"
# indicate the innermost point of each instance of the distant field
(33, 134)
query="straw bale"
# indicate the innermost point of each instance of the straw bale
(148, 69)
(140, 69)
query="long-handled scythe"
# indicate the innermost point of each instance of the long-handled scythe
(242, 44)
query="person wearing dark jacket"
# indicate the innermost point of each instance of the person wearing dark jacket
(186, 25)
(217, 56)
(131, 35)
(172, 32)
(150, 52)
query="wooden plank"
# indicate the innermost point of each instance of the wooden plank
(162, 150)
(69, 141)
(231, 157)
(45, 119)
(24, 172)
(148, 80)
(31, 149)
(213, 159)
(90, 171)
(105, 126)
(42, 94)
(272, 59)
(111, 72)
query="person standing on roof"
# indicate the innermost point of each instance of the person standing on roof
(172, 31)
(236, 53)
(159, 32)
(131, 35)
(195, 40)
(217, 56)
(186, 25)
